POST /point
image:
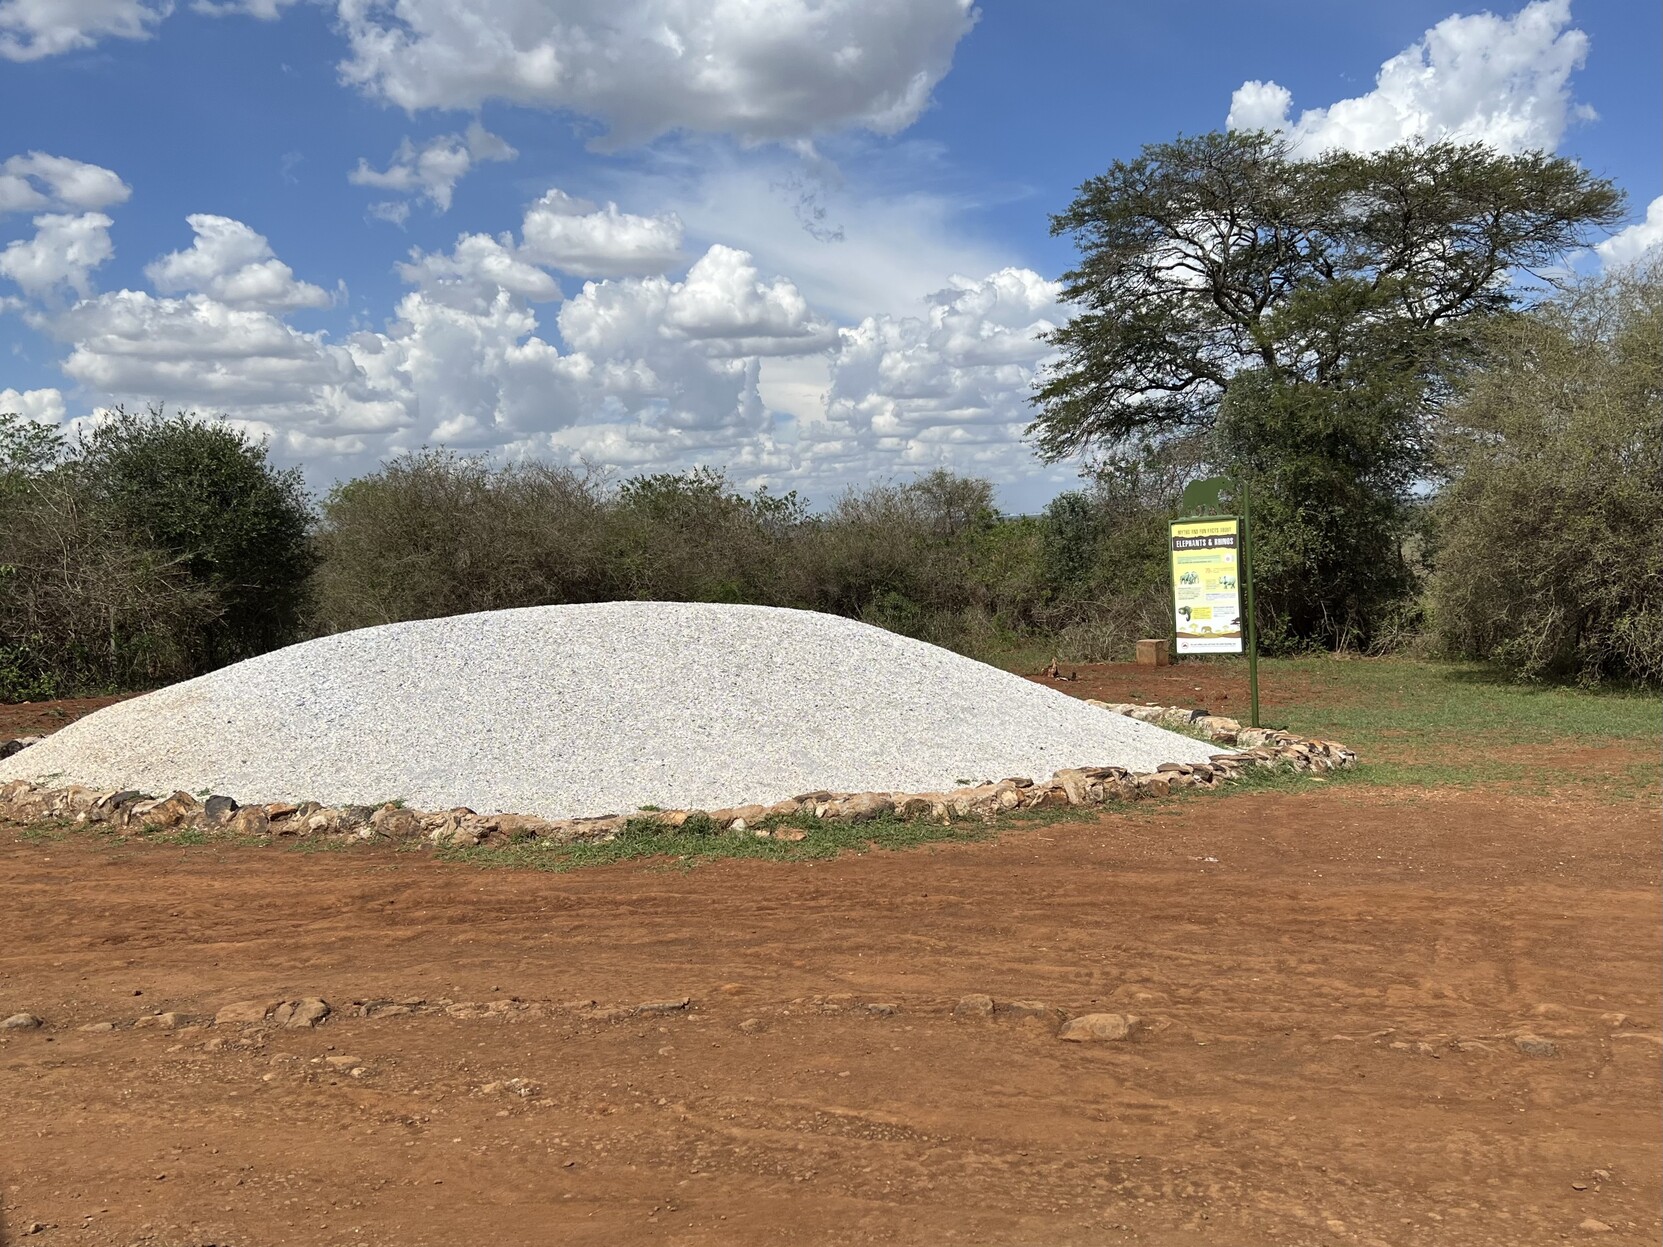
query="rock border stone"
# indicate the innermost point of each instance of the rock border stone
(130, 812)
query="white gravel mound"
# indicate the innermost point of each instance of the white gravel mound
(562, 711)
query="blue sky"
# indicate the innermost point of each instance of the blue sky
(805, 240)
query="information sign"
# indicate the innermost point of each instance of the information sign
(1206, 585)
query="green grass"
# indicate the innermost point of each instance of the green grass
(1424, 724)
(645, 838)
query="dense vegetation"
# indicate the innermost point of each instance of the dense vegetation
(1301, 321)
(1433, 462)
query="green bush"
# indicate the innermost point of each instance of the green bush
(435, 533)
(1548, 559)
(151, 550)
(205, 497)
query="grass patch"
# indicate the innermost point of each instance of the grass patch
(1432, 724)
(43, 833)
(696, 842)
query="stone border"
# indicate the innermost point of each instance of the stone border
(129, 812)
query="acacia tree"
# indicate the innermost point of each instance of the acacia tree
(1302, 315)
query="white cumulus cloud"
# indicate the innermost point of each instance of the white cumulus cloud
(477, 267)
(62, 254)
(33, 29)
(949, 388)
(775, 70)
(432, 170)
(577, 237)
(1628, 245)
(722, 308)
(38, 182)
(232, 264)
(1477, 77)
(43, 406)
(649, 372)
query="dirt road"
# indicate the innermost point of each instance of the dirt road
(1333, 983)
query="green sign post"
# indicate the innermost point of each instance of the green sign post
(1211, 553)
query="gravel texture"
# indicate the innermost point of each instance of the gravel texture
(561, 711)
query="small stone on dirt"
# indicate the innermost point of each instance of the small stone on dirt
(883, 1010)
(753, 1026)
(1594, 1226)
(97, 1027)
(974, 1006)
(1099, 1027)
(22, 1022)
(1535, 1045)
(663, 1006)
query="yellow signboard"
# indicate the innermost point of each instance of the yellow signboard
(1206, 585)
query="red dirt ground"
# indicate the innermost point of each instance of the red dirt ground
(1332, 980)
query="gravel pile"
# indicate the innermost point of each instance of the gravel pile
(562, 711)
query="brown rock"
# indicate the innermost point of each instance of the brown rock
(244, 1011)
(1073, 784)
(792, 834)
(1592, 1225)
(172, 811)
(1099, 1028)
(22, 1022)
(512, 828)
(866, 806)
(217, 811)
(251, 820)
(1535, 1045)
(974, 1006)
(396, 823)
(169, 1021)
(1025, 1010)
(308, 1012)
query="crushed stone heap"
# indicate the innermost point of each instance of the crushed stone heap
(563, 711)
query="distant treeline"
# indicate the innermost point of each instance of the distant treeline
(157, 547)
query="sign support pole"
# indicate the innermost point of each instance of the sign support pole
(1252, 619)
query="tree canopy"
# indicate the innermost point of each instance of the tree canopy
(1219, 255)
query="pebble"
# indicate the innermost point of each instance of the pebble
(974, 1006)
(1535, 1045)
(22, 1022)
(1594, 1226)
